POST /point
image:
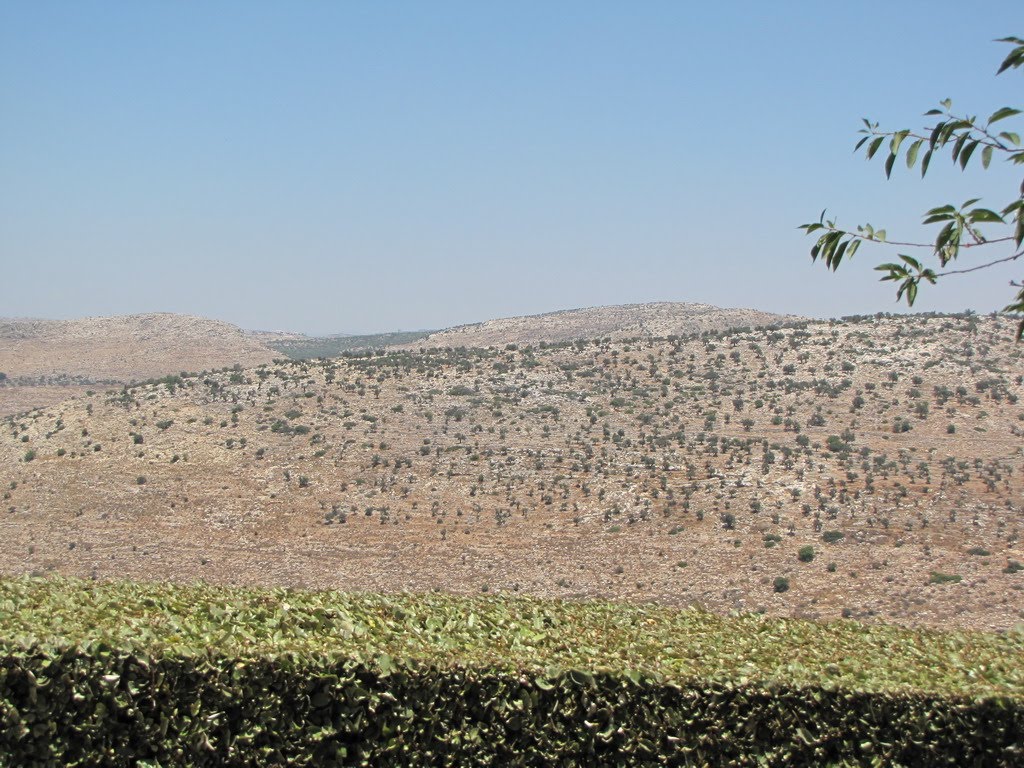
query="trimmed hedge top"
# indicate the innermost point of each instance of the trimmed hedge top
(519, 634)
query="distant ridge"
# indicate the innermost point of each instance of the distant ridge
(299, 347)
(128, 348)
(123, 348)
(656, 319)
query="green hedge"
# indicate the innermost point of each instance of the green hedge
(131, 674)
(102, 707)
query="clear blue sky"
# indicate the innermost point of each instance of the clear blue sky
(370, 166)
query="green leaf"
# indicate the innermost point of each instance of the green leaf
(1003, 113)
(911, 261)
(543, 683)
(385, 664)
(895, 271)
(912, 152)
(874, 145)
(959, 145)
(897, 140)
(890, 161)
(837, 255)
(926, 162)
(947, 132)
(581, 678)
(946, 235)
(965, 156)
(986, 156)
(984, 214)
(947, 208)
(1016, 56)
(911, 293)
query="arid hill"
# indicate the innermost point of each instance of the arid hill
(626, 321)
(872, 468)
(48, 360)
(125, 348)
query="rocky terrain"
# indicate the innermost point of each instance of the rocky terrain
(48, 360)
(626, 321)
(870, 468)
(616, 322)
(125, 348)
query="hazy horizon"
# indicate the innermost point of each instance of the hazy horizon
(323, 333)
(336, 168)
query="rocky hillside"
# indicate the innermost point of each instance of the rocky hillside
(626, 321)
(872, 469)
(124, 348)
(46, 361)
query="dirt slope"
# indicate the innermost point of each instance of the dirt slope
(875, 467)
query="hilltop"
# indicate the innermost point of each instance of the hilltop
(659, 319)
(867, 468)
(122, 349)
(46, 361)
(625, 321)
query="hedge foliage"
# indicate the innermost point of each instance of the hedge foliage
(132, 674)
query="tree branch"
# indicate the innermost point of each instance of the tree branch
(1014, 257)
(989, 141)
(867, 239)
